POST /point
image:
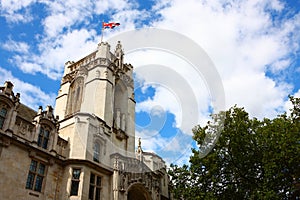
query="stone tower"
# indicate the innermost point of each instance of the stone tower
(96, 96)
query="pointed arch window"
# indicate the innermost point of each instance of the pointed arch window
(3, 113)
(75, 96)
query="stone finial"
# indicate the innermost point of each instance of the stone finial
(49, 111)
(119, 52)
(40, 110)
(116, 163)
(139, 148)
(8, 87)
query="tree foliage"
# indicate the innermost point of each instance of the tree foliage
(252, 159)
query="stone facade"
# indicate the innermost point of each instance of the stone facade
(86, 150)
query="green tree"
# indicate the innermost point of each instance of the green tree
(252, 159)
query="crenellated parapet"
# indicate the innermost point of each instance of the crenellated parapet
(102, 57)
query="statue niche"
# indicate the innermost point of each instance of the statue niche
(120, 105)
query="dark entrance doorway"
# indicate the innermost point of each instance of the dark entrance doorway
(138, 192)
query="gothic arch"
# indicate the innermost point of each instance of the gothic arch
(138, 191)
(75, 95)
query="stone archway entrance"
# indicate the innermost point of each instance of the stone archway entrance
(138, 192)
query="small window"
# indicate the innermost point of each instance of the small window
(75, 182)
(96, 152)
(95, 187)
(35, 176)
(3, 113)
(43, 138)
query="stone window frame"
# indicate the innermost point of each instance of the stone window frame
(97, 151)
(98, 139)
(75, 181)
(42, 137)
(36, 175)
(95, 186)
(3, 114)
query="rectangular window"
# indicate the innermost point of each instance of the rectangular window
(35, 176)
(96, 152)
(95, 187)
(43, 138)
(75, 182)
(3, 112)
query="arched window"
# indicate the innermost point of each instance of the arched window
(96, 156)
(3, 113)
(43, 138)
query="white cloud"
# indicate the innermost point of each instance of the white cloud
(14, 46)
(12, 10)
(242, 40)
(179, 88)
(175, 149)
(64, 14)
(280, 65)
(56, 52)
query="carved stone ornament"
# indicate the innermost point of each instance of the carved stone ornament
(103, 61)
(83, 71)
(127, 80)
(120, 134)
(100, 130)
(69, 77)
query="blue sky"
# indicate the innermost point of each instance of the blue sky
(253, 44)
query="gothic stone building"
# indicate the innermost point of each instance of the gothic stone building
(85, 148)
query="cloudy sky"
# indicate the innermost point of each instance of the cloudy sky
(253, 45)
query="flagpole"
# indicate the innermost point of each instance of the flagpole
(102, 32)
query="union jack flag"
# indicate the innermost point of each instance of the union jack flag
(110, 25)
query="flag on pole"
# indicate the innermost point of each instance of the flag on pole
(110, 25)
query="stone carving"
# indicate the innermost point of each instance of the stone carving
(83, 71)
(106, 73)
(127, 80)
(103, 61)
(98, 74)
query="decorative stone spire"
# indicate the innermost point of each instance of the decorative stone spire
(139, 151)
(119, 54)
(8, 87)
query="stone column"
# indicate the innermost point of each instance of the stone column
(116, 179)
